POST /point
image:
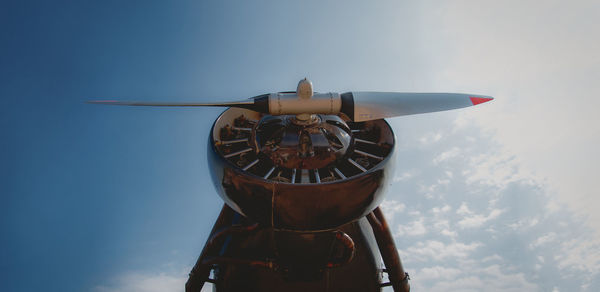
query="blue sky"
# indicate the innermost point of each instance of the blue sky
(497, 197)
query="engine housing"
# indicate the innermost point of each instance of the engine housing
(307, 175)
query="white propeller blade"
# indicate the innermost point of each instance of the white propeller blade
(379, 105)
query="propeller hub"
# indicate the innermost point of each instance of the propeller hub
(304, 89)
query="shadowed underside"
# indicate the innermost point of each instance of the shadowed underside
(245, 256)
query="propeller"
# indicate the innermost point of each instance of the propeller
(257, 103)
(378, 105)
(359, 106)
(146, 103)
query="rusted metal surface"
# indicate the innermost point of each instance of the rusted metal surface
(340, 260)
(219, 235)
(294, 184)
(249, 257)
(219, 260)
(200, 271)
(308, 146)
(348, 251)
(303, 206)
(300, 192)
(397, 276)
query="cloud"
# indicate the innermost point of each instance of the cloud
(438, 273)
(446, 155)
(494, 222)
(412, 229)
(543, 240)
(403, 176)
(140, 281)
(448, 232)
(430, 138)
(463, 209)
(500, 170)
(524, 223)
(493, 257)
(390, 208)
(438, 251)
(438, 210)
(476, 220)
(471, 278)
(581, 254)
(524, 165)
(543, 67)
(440, 223)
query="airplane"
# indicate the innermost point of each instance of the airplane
(302, 174)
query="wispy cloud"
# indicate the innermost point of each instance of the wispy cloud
(581, 254)
(479, 211)
(446, 155)
(469, 278)
(477, 220)
(391, 208)
(430, 138)
(544, 239)
(403, 176)
(437, 250)
(543, 68)
(413, 228)
(143, 281)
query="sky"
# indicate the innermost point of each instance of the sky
(498, 197)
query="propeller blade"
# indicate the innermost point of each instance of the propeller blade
(378, 105)
(258, 103)
(359, 106)
(144, 103)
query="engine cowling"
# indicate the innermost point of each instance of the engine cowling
(298, 174)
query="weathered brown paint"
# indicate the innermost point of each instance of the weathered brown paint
(389, 253)
(319, 236)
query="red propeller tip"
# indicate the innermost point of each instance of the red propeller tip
(478, 100)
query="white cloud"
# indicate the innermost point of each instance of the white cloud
(443, 181)
(412, 229)
(438, 210)
(438, 273)
(440, 224)
(438, 251)
(493, 257)
(403, 176)
(414, 213)
(580, 254)
(148, 282)
(541, 259)
(428, 190)
(446, 155)
(476, 220)
(524, 223)
(449, 233)
(463, 209)
(390, 208)
(552, 205)
(546, 238)
(430, 138)
(499, 169)
(490, 278)
(543, 67)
